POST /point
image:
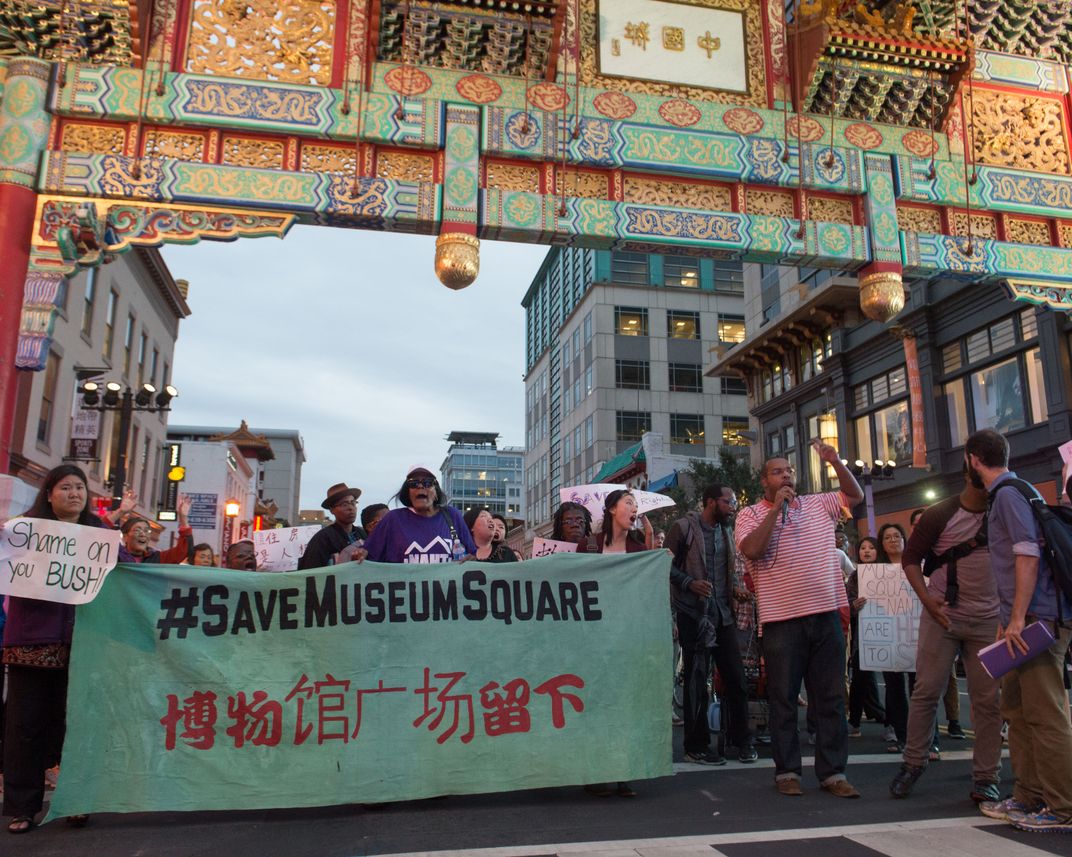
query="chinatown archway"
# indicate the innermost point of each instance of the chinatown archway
(867, 137)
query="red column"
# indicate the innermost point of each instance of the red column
(17, 207)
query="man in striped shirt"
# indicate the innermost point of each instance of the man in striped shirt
(788, 544)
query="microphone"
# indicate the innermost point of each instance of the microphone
(785, 510)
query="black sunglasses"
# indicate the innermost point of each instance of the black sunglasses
(420, 483)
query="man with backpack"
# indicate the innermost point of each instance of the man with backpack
(960, 616)
(1033, 696)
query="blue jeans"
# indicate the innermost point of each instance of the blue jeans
(810, 648)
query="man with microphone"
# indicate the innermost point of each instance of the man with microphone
(788, 545)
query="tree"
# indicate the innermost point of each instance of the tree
(732, 470)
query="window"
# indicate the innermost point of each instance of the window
(884, 434)
(145, 452)
(997, 397)
(686, 378)
(566, 355)
(1006, 395)
(566, 456)
(587, 327)
(588, 386)
(589, 425)
(152, 367)
(812, 355)
(734, 387)
(731, 431)
(632, 424)
(109, 324)
(682, 325)
(681, 271)
(632, 374)
(729, 275)
(48, 397)
(629, 267)
(821, 477)
(687, 428)
(578, 440)
(128, 345)
(730, 328)
(577, 345)
(87, 308)
(630, 321)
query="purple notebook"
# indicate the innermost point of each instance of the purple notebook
(996, 659)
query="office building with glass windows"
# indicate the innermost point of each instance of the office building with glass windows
(616, 344)
(478, 472)
(815, 367)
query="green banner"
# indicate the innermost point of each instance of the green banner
(205, 690)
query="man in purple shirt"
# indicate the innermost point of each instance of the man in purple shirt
(1033, 696)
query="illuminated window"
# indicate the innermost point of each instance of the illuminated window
(631, 321)
(632, 424)
(730, 328)
(681, 271)
(687, 428)
(682, 325)
(731, 431)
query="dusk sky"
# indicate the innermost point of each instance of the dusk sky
(349, 337)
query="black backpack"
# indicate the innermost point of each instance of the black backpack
(1055, 524)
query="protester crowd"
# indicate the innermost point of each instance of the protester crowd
(976, 560)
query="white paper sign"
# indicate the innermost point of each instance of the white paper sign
(673, 43)
(889, 621)
(592, 497)
(280, 550)
(54, 561)
(546, 547)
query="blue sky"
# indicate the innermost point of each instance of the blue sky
(349, 337)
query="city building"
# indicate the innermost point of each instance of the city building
(117, 322)
(477, 472)
(615, 346)
(279, 454)
(220, 482)
(815, 367)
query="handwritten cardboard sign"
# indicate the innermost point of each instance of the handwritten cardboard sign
(54, 561)
(593, 496)
(546, 547)
(280, 550)
(889, 621)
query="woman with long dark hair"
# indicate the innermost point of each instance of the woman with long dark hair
(37, 648)
(863, 687)
(481, 524)
(891, 545)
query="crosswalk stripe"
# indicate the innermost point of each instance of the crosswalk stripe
(666, 846)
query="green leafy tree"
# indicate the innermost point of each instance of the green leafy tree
(731, 470)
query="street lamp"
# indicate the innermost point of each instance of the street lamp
(126, 401)
(880, 470)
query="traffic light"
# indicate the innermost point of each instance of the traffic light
(176, 473)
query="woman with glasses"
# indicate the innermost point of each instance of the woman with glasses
(423, 531)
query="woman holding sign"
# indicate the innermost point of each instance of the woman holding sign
(37, 648)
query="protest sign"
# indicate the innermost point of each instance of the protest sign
(280, 549)
(889, 621)
(365, 683)
(53, 561)
(592, 498)
(546, 547)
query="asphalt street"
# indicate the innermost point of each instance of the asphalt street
(733, 811)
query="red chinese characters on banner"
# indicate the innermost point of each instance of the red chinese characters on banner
(258, 720)
(198, 717)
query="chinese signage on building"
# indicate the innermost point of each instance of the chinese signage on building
(673, 43)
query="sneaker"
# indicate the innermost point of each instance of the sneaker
(955, 732)
(705, 758)
(984, 792)
(890, 735)
(1042, 821)
(811, 739)
(901, 787)
(747, 753)
(854, 731)
(676, 721)
(1001, 809)
(935, 754)
(790, 787)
